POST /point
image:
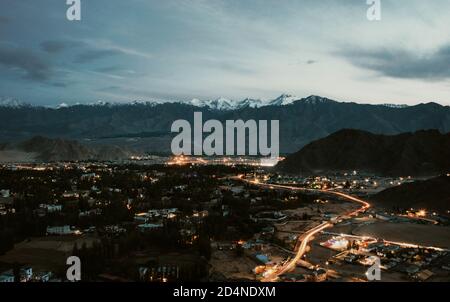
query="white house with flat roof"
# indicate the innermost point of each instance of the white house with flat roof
(7, 276)
(59, 230)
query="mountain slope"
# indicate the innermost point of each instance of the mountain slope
(45, 149)
(420, 153)
(432, 194)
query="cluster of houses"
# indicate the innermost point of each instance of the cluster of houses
(6, 202)
(26, 274)
(414, 261)
(159, 273)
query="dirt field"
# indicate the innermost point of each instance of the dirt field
(426, 235)
(46, 253)
(231, 266)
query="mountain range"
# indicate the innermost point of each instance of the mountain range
(145, 125)
(221, 104)
(425, 152)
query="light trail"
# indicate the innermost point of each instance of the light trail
(303, 240)
(402, 244)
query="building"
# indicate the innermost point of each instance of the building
(7, 276)
(237, 190)
(92, 212)
(6, 204)
(51, 208)
(149, 226)
(88, 176)
(6, 201)
(59, 230)
(141, 218)
(264, 259)
(26, 275)
(115, 229)
(43, 276)
(383, 217)
(4, 193)
(336, 243)
(424, 275)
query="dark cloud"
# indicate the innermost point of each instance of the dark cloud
(399, 63)
(92, 55)
(53, 46)
(56, 46)
(59, 85)
(110, 69)
(34, 67)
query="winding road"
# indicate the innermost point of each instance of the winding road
(305, 238)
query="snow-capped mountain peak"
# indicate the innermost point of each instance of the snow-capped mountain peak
(147, 103)
(283, 100)
(197, 103)
(227, 104)
(217, 104)
(221, 104)
(250, 103)
(101, 103)
(314, 99)
(12, 102)
(62, 105)
(398, 106)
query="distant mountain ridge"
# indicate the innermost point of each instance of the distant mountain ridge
(214, 104)
(301, 121)
(426, 152)
(221, 104)
(47, 150)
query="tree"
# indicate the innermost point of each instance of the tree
(239, 250)
(6, 241)
(16, 271)
(204, 246)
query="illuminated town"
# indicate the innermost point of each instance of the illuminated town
(225, 148)
(222, 219)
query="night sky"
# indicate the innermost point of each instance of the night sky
(126, 50)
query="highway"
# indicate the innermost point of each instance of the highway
(305, 238)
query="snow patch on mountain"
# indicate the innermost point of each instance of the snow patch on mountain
(283, 100)
(62, 105)
(395, 105)
(250, 103)
(12, 103)
(227, 104)
(217, 104)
